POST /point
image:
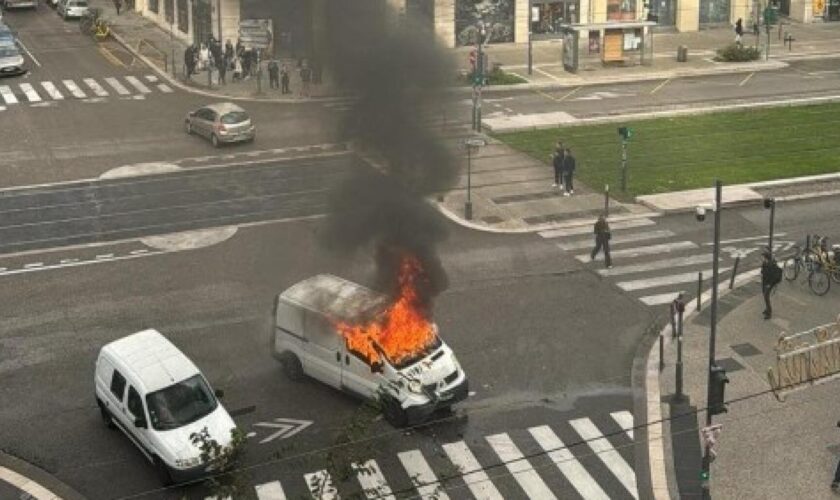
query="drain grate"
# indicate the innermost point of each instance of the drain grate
(746, 349)
(518, 198)
(730, 365)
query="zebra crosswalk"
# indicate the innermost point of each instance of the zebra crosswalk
(128, 86)
(589, 462)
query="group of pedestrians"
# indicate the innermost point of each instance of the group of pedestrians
(279, 76)
(564, 169)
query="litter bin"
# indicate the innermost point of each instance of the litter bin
(682, 53)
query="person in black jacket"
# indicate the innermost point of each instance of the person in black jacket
(771, 275)
(569, 172)
(602, 240)
(557, 161)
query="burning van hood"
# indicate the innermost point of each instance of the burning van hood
(433, 368)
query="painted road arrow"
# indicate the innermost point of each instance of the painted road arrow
(286, 428)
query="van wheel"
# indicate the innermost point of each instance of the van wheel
(393, 412)
(107, 419)
(292, 367)
(163, 473)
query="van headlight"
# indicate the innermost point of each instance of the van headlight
(185, 463)
(415, 386)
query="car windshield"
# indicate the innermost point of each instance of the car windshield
(181, 403)
(234, 117)
(8, 51)
(408, 361)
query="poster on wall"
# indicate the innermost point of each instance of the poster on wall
(594, 42)
(819, 7)
(256, 33)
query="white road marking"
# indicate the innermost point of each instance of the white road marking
(624, 419)
(116, 85)
(30, 92)
(372, 481)
(672, 279)
(321, 486)
(3, 269)
(68, 261)
(25, 484)
(568, 464)
(166, 89)
(138, 252)
(137, 84)
(662, 298)
(151, 78)
(422, 476)
(31, 56)
(52, 90)
(748, 238)
(521, 469)
(649, 235)
(8, 95)
(648, 250)
(105, 256)
(473, 474)
(657, 264)
(587, 229)
(95, 87)
(75, 263)
(270, 491)
(74, 89)
(611, 458)
(34, 265)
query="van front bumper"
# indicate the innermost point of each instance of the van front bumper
(189, 474)
(422, 412)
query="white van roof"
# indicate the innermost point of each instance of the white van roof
(334, 297)
(152, 358)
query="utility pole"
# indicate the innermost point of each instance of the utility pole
(626, 133)
(771, 204)
(530, 42)
(478, 78)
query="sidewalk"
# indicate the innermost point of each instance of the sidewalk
(767, 449)
(21, 480)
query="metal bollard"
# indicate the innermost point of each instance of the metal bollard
(734, 272)
(606, 200)
(699, 288)
(661, 353)
(679, 367)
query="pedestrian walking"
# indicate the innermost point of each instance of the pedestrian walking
(203, 57)
(237, 69)
(221, 66)
(835, 484)
(284, 80)
(305, 79)
(229, 51)
(558, 158)
(739, 30)
(677, 308)
(771, 275)
(602, 240)
(118, 5)
(273, 75)
(189, 60)
(569, 166)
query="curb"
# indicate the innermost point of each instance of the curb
(36, 482)
(662, 477)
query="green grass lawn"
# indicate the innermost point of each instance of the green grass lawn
(671, 154)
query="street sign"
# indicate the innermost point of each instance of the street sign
(285, 428)
(256, 33)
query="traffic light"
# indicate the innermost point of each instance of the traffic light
(717, 386)
(625, 132)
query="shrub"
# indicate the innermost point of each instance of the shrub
(497, 76)
(737, 53)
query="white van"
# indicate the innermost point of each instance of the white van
(306, 342)
(158, 397)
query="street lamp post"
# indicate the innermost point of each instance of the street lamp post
(172, 45)
(771, 204)
(530, 41)
(471, 145)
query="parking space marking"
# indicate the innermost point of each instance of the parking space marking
(745, 80)
(656, 89)
(570, 93)
(34, 59)
(107, 54)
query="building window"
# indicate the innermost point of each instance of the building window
(497, 16)
(621, 10)
(153, 6)
(547, 17)
(169, 10)
(183, 16)
(714, 11)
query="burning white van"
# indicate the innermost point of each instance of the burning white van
(359, 341)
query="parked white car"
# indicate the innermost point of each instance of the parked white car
(151, 391)
(71, 8)
(306, 342)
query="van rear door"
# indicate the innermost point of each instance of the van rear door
(323, 349)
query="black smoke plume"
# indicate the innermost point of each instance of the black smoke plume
(399, 74)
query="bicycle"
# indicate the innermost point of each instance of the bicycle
(817, 262)
(802, 259)
(92, 23)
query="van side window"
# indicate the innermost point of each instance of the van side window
(118, 385)
(320, 331)
(135, 404)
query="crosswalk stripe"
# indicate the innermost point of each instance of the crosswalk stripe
(422, 476)
(166, 89)
(659, 299)
(624, 419)
(611, 458)
(74, 89)
(568, 464)
(116, 85)
(151, 78)
(648, 250)
(689, 260)
(614, 226)
(95, 87)
(476, 479)
(30, 92)
(321, 486)
(521, 469)
(8, 95)
(671, 279)
(372, 481)
(51, 89)
(628, 238)
(270, 491)
(137, 84)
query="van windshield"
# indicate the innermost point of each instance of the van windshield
(431, 347)
(181, 404)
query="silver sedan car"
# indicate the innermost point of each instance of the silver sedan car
(221, 123)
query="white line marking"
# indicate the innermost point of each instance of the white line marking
(166, 89)
(648, 250)
(521, 469)
(689, 260)
(8, 95)
(74, 89)
(568, 464)
(649, 235)
(116, 85)
(137, 84)
(68, 261)
(611, 458)
(372, 481)
(138, 252)
(672, 279)
(30, 92)
(52, 90)
(105, 256)
(422, 476)
(270, 491)
(624, 419)
(34, 265)
(615, 226)
(95, 87)
(34, 489)
(473, 474)
(37, 63)
(748, 238)
(76, 263)
(662, 298)
(321, 486)
(151, 78)
(3, 269)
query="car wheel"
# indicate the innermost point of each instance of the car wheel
(292, 367)
(106, 416)
(214, 141)
(188, 127)
(163, 472)
(393, 412)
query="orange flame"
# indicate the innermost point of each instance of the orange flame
(401, 330)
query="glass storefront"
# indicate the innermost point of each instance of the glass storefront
(714, 11)
(497, 15)
(183, 16)
(153, 6)
(621, 10)
(292, 21)
(169, 10)
(833, 10)
(202, 15)
(547, 16)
